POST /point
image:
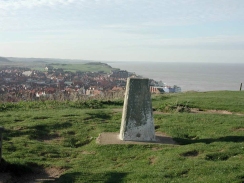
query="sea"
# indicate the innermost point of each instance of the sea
(189, 76)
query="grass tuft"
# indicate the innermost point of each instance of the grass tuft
(192, 153)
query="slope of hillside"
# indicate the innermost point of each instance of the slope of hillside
(56, 141)
(2, 59)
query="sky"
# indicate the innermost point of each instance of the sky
(124, 30)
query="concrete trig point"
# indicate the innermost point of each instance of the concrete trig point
(137, 119)
(1, 139)
(137, 125)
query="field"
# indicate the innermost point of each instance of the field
(56, 141)
(65, 64)
(84, 67)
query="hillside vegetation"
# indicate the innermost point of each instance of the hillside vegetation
(49, 135)
(65, 64)
(84, 67)
(2, 59)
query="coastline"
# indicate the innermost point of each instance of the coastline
(200, 77)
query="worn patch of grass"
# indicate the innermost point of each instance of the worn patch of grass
(211, 146)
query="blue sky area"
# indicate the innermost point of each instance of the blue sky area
(124, 30)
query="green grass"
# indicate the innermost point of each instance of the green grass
(46, 104)
(211, 146)
(216, 100)
(73, 67)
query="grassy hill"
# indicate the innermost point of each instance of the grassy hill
(46, 137)
(84, 67)
(2, 59)
(65, 64)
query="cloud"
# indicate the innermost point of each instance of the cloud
(182, 10)
(202, 43)
(167, 13)
(17, 4)
(144, 19)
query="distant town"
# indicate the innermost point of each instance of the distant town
(23, 83)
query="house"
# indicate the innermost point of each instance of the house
(157, 89)
(118, 88)
(120, 74)
(93, 91)
(40, 93)
(177, 89)
(49, 68)
(27, 73)
(7, 79)
(81, 91)
(174, 89)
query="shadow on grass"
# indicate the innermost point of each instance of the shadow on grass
(14, 169)
(99, 115)
(185, 141)
(36, 132)
(114, 103)
(109, 177)
(27, 172)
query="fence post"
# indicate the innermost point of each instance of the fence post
(240, 86)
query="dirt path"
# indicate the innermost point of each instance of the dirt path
(196, 110)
